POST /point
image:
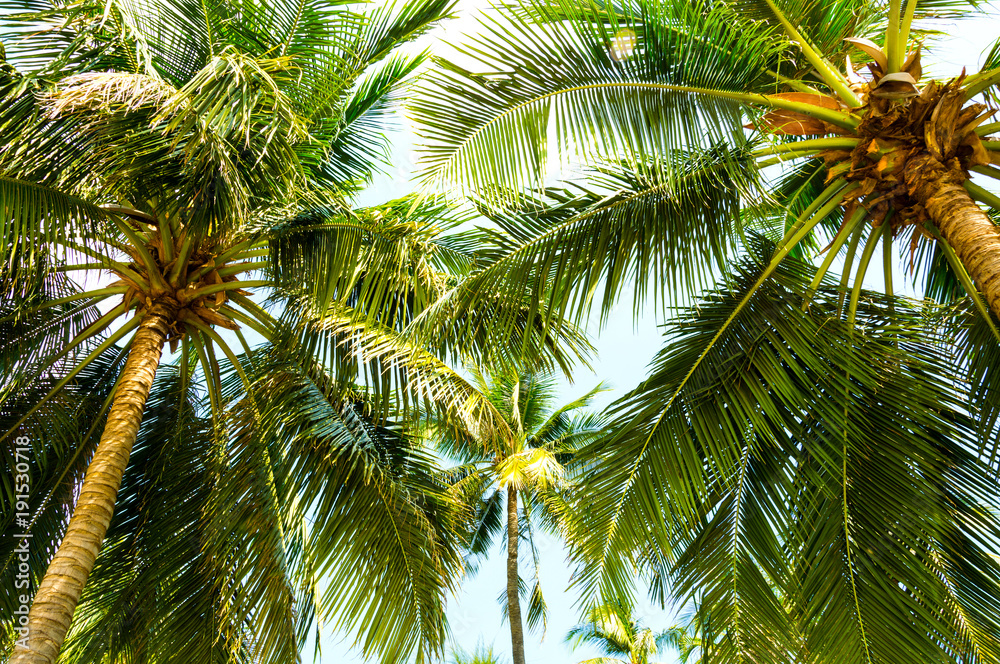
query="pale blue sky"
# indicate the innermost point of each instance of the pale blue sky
(625, 347)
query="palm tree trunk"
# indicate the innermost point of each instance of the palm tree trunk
(52, 610)
(962, 223)
(513, 602)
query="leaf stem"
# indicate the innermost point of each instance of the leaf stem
(892, 37)
(80, 267)
(887, 257)
(987, 129)
(239, 268)
(180, 266)
(255, 310)
(167, 240)
(904, 29)
(831, 143)
(120, 268)
(210, 372)
(818, 210)
(837, 82)
(982, 195)
(125, 329)
(135, 214)
(217, 340)
(98, 295)
(219, 288)
(246, 319)
(793, 83)
(835, 247)
(866, 257)
(980, 82)
(852, 249)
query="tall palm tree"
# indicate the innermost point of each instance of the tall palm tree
(622, 637)
(513, 484)
(180, 147)
(680, 638)
(807, 458)
(237, 548)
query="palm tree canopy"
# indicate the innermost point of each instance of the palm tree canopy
(662, 122)
(181, 147)
(792, 461)
(612, 628)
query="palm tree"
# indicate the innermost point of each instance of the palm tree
(638, 91)
(623, 638)
(481, 655)
(527, 466)
(680, 638)
(235, 549)
(805, 457)
(180, 148)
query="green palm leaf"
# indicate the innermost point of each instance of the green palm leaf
(623, 230)
(778, 480)
(556, 66)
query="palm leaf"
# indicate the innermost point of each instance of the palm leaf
(556, 66)
(770, 467)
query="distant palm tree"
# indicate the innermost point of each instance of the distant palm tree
(685, 640)
(526, 466)
(621, 636)
(481, 655)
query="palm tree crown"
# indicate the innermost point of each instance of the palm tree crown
(621, 636)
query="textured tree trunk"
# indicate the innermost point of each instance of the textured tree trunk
(52, 610)
(513, 601)
(961, 221)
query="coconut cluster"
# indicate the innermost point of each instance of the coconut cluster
(904, 131)
(180, 289)
(907, 131)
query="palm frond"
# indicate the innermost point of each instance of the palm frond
(624, 231)
(347, 485)
(609, 627)
(59, 441)
(778, 479)
(556, 69)
(538, 609)
(377, 260)
(399, 22)
(360, 145)
(33, 218)
(978, 354)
